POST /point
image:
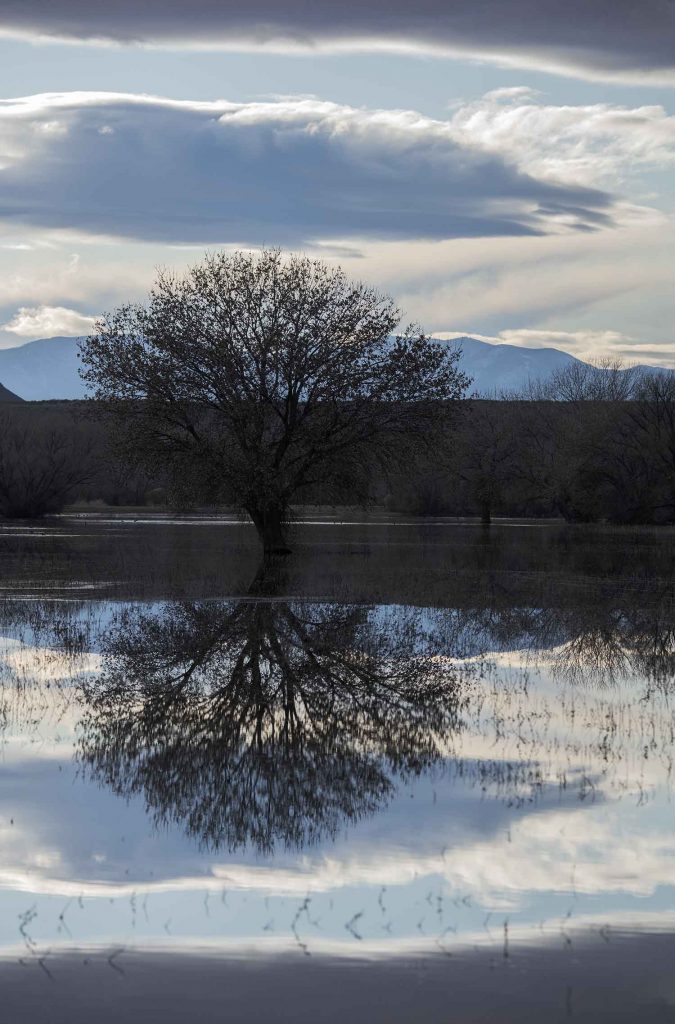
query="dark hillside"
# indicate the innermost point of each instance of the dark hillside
(8, 396)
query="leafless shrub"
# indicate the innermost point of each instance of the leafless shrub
(41, 465)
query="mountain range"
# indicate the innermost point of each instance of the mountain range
(501, 367)
(48, 369)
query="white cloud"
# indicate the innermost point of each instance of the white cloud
(556, 283)
(598, 144)
(37, 273)
(580, 343)
(573, 339)
(290, 171)
(48, 322)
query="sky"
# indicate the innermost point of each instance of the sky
(502, 168)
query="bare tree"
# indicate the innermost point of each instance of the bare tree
(41, 465)
(254, 376)
(488, 456)
(602, 380)
(579, 415)
(643, 453)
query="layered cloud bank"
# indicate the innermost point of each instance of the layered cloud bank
(288, 172)
(598, 39)
(511, 213)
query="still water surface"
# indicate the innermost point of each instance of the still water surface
(420, 772)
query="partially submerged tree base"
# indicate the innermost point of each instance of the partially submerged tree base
(271, 524)
(276, 551)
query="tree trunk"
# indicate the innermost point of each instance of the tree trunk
(270, 522)
(485, 513)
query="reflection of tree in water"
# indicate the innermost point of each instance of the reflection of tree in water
(596, 640)
(635, 642)
(606, 645)
(608, 723)
(275, 721)
(266, 721)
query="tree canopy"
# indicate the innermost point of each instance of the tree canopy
(257, 376)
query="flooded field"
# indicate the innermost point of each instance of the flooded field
(420, 771)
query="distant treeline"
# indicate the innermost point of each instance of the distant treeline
(585, 459)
